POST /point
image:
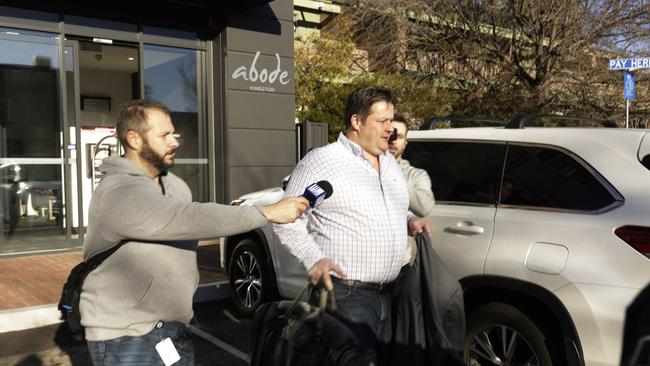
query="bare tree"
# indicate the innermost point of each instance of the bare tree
(508, 56)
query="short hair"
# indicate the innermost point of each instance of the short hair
(399, 118)
(361, 100)
(133, 117)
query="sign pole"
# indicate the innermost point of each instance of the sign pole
(629, 65)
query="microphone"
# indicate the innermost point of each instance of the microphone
(315, 193)
(393, 136)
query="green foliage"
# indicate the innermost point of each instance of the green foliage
(328, 106)
(417, 98)
(324, 80)
(320, 64)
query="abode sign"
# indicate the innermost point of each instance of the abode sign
(265, 73)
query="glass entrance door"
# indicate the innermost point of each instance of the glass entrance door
(59, 100)
(104, 77)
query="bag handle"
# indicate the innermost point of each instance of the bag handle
(322, 301)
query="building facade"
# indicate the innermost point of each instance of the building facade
(224, 69)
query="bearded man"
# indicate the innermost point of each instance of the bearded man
(137, 304)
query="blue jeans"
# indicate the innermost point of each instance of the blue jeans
(367, 313)
(141, 350)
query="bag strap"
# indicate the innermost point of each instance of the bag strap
(323, 299)
(97, 259)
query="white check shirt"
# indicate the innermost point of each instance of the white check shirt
(362, 227)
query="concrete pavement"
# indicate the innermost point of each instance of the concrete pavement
(228, 341)
(30, 286)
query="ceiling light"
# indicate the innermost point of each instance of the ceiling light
(103, 40)
(131, 59)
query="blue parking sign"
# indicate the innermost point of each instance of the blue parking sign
(630, 88)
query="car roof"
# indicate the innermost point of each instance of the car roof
(612, 152)
(625, 141)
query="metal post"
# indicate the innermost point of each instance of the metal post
(627, 113)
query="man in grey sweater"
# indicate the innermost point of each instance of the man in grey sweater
(419, 184)
(421, 199)
(135, 306)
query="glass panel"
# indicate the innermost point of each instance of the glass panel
(550, 178)
(172, 77)
(460, 172)
(108, 78)
(31, 201)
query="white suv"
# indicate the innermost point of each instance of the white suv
(546, 228)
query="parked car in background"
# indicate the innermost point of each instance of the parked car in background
(546, 229)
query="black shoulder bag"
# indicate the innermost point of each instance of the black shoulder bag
(71, 294)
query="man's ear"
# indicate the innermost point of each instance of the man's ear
(355, 122)
(134, 140)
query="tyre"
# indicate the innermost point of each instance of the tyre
(499, 334)
(250, 278)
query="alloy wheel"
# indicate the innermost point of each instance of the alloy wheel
(247, 279)
(503, 346)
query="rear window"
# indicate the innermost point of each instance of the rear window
(544, 177)
(646, 161)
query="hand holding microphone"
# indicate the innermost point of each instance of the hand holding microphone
(289, 209)
(315, 193)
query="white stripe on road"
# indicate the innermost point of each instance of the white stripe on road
(221, 344)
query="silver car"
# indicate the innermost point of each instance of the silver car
(545, 228)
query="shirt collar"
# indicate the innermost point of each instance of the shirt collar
(354, 148)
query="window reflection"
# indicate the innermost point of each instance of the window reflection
(170, 77)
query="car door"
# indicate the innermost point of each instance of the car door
(549, 211)
(465, 178)
(291, 275)
(554, 230)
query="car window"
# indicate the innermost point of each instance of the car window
(544, 177)
(464, 172)
(646, 161)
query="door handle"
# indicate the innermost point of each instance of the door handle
(465, 228)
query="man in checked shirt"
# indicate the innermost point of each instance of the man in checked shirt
(355, 241)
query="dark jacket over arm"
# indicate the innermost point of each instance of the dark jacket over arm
(428, 312)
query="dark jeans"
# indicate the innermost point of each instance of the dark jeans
(141, 350)
(366, 312)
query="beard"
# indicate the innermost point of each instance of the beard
(157, 160)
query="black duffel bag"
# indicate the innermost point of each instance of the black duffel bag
(287, 333)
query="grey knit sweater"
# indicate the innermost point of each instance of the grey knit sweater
(419, 184)
(154, 275)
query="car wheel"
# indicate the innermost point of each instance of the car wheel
(250, 279)
(499, 334)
